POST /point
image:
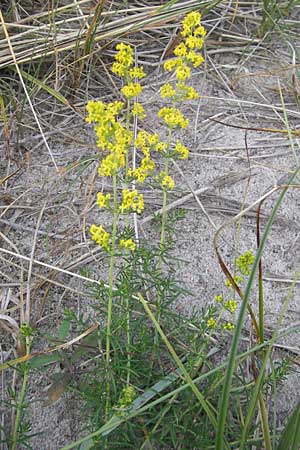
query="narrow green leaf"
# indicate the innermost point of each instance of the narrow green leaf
(291, 430)
(64, 329)
(115, 421)
(42, 360)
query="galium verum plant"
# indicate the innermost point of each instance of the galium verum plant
(113, 125)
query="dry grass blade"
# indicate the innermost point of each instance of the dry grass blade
(15, 62)
(75, 36)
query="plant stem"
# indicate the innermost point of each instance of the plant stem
(164, 210)
(110, 295)
(21, 399)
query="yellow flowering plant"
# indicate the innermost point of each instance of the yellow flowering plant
(243, 264)
(113, 125)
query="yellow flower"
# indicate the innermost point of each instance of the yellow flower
(171, 64)
(173, 117)
(166, 181)
(194, 42)
(100, 236)
(195, 58)
(128, 243)
(147, 164)
(128, 394)
(245, 262)
(124, 54)
(181, 150)
(146, 140)
(228, 326)
(112, 110)
(153, 139)
(102, 200)
(190, 21)
(161, 147)
(95, 111)
(200, 31)
(238, 279)
(219, 298)
(111, 164)
(167, 91)
(139, 174)
(139, 205)
(211, 323)
(137, 72)
(138, 110)
(190, 93)
(131, 201)
(131, 90)
(180, 50)
(119, 69)
(141, 139)
(231, 305)
(182, 72)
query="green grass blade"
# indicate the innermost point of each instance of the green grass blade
(179, 363)
(224, 400)
(138, 406)
(45, 87)
(260, 378)
(291, 431)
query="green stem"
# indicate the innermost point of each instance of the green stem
(164, 210)
(110, 296)
(21, 399)
(265, 423)
(162, 241)
(127, 304)
(127, 128)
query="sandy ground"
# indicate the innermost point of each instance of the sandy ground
(55, 209)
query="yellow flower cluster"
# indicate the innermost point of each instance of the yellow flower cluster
(186, 55)
(173, 117)
(128, 244)
(114, 138)
(111, 134)
(161, 147)
(127, 396)
(231, 305)
(228, 326)
(103, 201)
(123, 68)
(138, 110)
(181, 150)
(167, 91)
(137, 72)
(182, 92)
(144, 142)
(131, 201)
(141, 173)
(211, 323)
(191, 25)
(131, 90)
(100, 112)
(100, 236)
(124, 60)
(166, 181)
